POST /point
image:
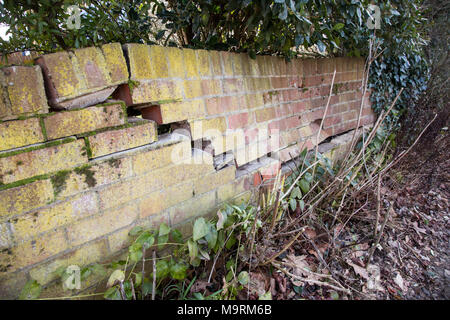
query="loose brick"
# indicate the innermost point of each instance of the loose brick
(162, 153)
(21, 92)
(92, 65)
(63, 124)
(139, 61)
(54, 216)
(173, 112)
(98, 226)
(115, 62)
(19, 133)
(48, 158)
(122, 139)
(157, 91)
(207, 128)
(25, 198)
(83, 77)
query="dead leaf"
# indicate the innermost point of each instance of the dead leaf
(399, 281)
(199, 285)
(359, 270)
(310, 233)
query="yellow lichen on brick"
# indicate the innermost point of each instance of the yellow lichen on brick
(156, 90)
(64, 124)
(208, 127)
(25, 198)
(15, 134)
(215, 179)
(179, 111)
(100, 173)
(176, 63)
(204, 65)
(158, 201)
(139, 59)
(118, 140)
(192, 89)
(115, 62)
(30, 252)
(190, 63)
(97, 226)
(57, 215)
(24, 90)
(92, 66)
(159, 62)
(63, 77)
(41, 161)
(92, 252)
(162, 156)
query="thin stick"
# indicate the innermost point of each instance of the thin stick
(143, 272)
(320, 283)
(372, 250)
(154, 276)
(323, 120)
(378, 206)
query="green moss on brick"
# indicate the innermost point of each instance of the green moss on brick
(42, 146)
(88, 175)
(22, 182)
(88, 147)
(59, 181)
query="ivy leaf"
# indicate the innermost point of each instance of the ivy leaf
(138, 279)
(266, 296)
(112, 294)
(163, 229)
(147, 287)
(30, 291)
(117, 275)
(162, 269)
(302, 205)
(221, 220)
(178, 271)
(135, 231)
(304, 185)
(293, 204)
(296, 193)
(193, 249)
(211, 237)
(243, 278)
(177, 236)
(200, 229)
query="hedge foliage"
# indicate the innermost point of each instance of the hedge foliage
(281, 27)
